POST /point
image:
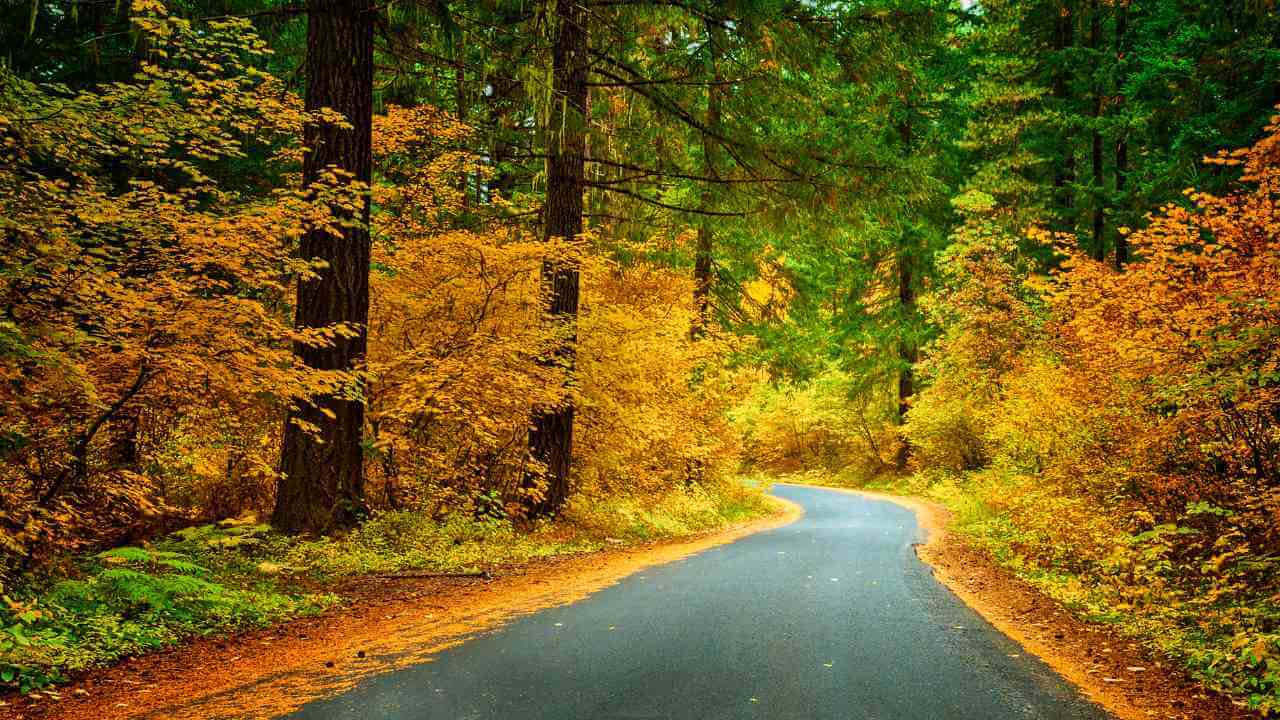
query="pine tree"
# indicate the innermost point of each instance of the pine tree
(322, 455)
(551, 434)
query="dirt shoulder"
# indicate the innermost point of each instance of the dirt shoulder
(1114, 671)
(387, 623)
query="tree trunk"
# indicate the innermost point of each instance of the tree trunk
(702, 267)
(460, 103)
(907, 352)
(1122, 141)
(124, 452)
(322, 484)
(1099, 203)
(501, 148)
(551, 434)
(1064, 175)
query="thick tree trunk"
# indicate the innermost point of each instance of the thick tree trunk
(1099, 201)
(551, 434)
(1122, 141)
(906, 349)
(702, 270)
(322, 482)
(702, 267)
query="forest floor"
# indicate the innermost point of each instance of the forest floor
(1129, 679)
(268, 672)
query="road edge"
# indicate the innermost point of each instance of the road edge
(1113, 671)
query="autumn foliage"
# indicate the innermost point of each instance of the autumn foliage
(145, 345)
(140, 288)
(1129, 420)
(877, 241)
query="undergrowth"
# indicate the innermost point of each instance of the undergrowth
(239, 574)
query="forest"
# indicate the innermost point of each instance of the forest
(298, 290)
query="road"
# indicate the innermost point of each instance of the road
(830, 617)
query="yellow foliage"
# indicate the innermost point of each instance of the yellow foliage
(147, 350)
(131, 303)
(1131, 418)
(828, 423)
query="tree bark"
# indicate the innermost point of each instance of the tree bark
(460, 103)
(907, 352)
(1122, 140)
(702, 266)
(551, 434)
(322, 483)
(1065, 174)
(1099, 202)
(504, 91)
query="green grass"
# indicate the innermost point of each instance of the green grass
(237, 575)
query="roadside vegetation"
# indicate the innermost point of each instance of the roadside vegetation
(238, 573)
(1095, 387)
(1111, 437)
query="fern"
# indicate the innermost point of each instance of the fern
(225, 534)
(181, 565)
(176, 561)
(136, 587)
(126, 554)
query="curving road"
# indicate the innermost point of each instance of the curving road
(830, 617)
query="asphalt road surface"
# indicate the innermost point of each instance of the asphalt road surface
(830, 617)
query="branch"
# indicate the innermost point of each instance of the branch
(665, 206)
(80, 451)
(483, 574)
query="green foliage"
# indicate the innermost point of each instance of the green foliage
(131, 600)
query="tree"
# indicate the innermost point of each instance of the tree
(551, 432)
(1122, 138)
(704, 252)
(322, 454)
(1097, 101)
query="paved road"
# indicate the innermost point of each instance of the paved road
(830, 617)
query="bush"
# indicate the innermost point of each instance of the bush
(132, 600)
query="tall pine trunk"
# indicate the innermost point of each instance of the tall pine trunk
(504, 91)
(1064, 176)
(907, 351)
(460, 103)
(1099, 200)
(551, 433)
(1122, 141)
(702, 267)
(322, 483)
